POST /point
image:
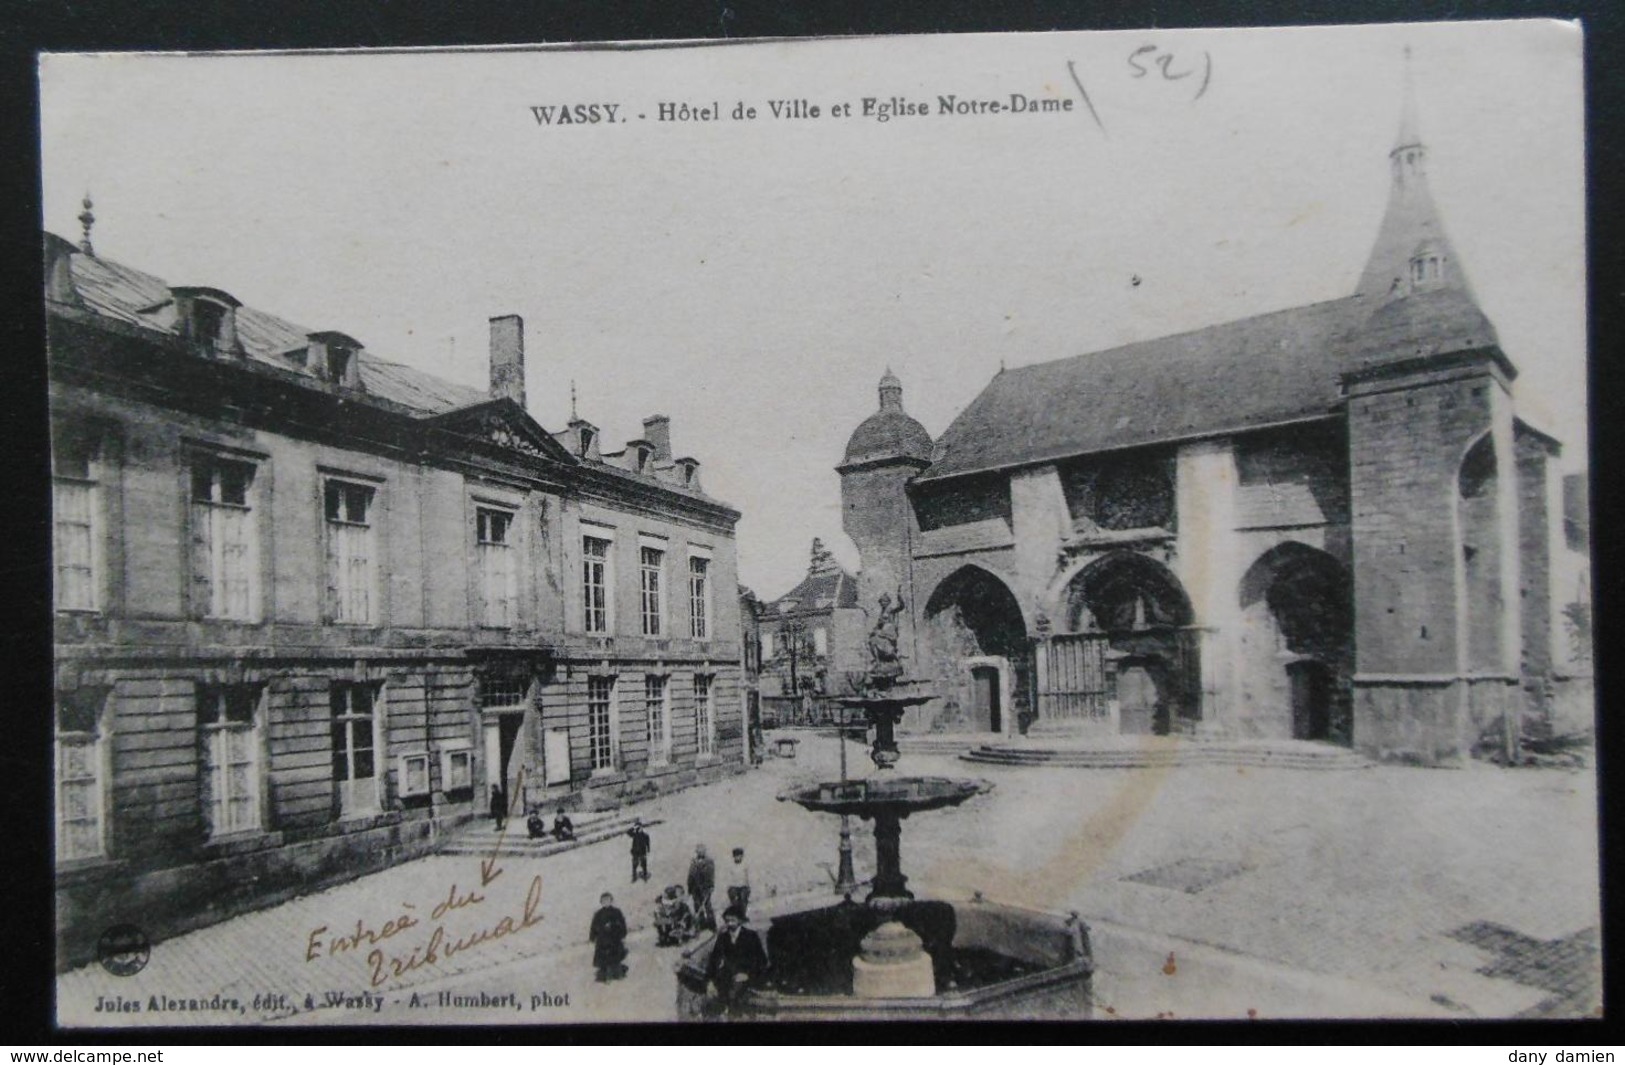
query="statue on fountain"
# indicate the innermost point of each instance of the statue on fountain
(885, 660)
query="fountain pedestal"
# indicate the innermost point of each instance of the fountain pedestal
(892, 963)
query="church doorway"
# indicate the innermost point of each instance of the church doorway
(988, 698)
(1131, 647)
(1142, 697)
(1311, 684)
(977, 647)
(1297, 645)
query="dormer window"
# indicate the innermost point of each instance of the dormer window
(587, 435)
(687, 469)
(207, 318)
(642, 452)
(1424, 269)
(338, 363)
(333, 356)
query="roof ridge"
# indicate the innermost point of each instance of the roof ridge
(1164, 337)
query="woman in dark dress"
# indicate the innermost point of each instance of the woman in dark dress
(608, 936)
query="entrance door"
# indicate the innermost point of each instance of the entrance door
(501, 735)
(1140, 698)
(988, 694)
(1311, 700)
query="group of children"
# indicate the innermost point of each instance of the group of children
(737, 957)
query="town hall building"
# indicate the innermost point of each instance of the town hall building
(313, 606)
(1322, 523)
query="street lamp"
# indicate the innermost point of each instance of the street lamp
(846, 882)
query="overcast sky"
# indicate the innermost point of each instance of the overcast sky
(754, 279)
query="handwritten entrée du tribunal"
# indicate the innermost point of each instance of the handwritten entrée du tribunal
(385, 961)
(1148, 62)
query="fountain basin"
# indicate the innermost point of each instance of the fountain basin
(902, 795)
(989, 960)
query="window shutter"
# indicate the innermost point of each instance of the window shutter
(331, 610)
(201, 561)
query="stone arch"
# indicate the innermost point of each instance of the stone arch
(1122, 591)
(1477, 485)
(1130, 614)
(974, 622)
(1296, 647)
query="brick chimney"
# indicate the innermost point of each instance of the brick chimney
(657, 430)
(508, 358)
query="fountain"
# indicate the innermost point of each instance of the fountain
(896, 956)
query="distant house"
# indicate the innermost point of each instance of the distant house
(312, 606)
(812, 637)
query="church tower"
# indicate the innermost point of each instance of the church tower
(1433, 489)
(883, 454)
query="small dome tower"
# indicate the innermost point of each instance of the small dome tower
(886, 451)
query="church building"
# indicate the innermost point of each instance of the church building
(1322, 523)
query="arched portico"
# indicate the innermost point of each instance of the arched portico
(1127, 659)
(978, 648)
(1295, 650)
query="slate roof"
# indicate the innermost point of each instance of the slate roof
(832, 589)
(888, 434)
(123, 293)
(1271, 368)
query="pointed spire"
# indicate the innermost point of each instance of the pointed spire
(1411, 252)
(87, 219)
(1410, 135)
(573, 415)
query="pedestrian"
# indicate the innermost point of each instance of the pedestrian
(535, 827)
(702, 881)
(499, 806)
(737, 959)
(737, 876)
(563, 830)
(640, 851)
(608, 938)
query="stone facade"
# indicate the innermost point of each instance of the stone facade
(1323, 523)
(313, 606)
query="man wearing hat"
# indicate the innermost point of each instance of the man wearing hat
(640, 851)
(737, 959)
(736, 875)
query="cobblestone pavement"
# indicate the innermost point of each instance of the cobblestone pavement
(1465, 893)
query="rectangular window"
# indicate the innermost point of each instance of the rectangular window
(595, 583)
(414, 774)
(76, 526)
(351, 549)
(699, 592)
(659, 718)
(651, 559)
(456, 770)
(355, 747)
(81, 776)
(600, 721)
(225, 547)
(499, 691)
(229, 733)
(494, 535)
(704, 716)
(820, 641)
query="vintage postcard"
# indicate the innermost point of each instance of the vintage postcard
(1079, 525)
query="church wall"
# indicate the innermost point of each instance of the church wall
(1534, 544)
(1208, 564)
(1407, 438)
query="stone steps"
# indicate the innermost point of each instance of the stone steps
(481, 838)
(1283, 756)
